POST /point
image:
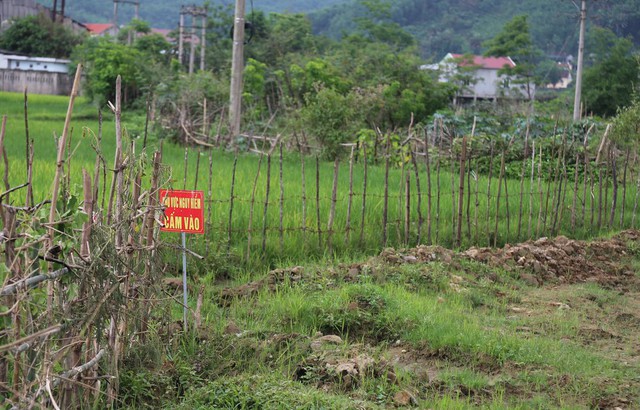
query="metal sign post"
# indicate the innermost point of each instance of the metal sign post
(184, 213)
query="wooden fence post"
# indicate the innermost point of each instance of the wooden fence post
(427, 161)
(231, 202)
(266, 205)
(347, 228)
(281, 203)
(364, 194)
(419, 193)
(407, 209)
(319, 227)
(463, 161)
(334, 198)
(385, 209)
(251, 208)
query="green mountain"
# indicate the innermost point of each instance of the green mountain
(166, 13)
(461, 26)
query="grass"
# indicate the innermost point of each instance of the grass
(444, 334)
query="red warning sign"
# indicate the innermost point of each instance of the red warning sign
(183, 211)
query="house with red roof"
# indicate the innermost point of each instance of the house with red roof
(101, 29)
(480, 78)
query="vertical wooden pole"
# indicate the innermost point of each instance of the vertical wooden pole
(237, 68)
(347, 229)
(251, 207)
(29, 199)
(209, 222)
(540, 199)
(319, 227)
(489, 193)
(574, 203)
(416, 172)
(531, 187)
(637, 196)
(614, 180)
(624, 188)
(385, 209)
(231, 202)
(407, 209)
(266, 205)
(477, 204)
(364, 194)
(428, 165)
(332, 211)
(525, 156)
(304, 198)
(281, 203)
(454, 188)
(495, 232)
(438, 182)
(463, 161)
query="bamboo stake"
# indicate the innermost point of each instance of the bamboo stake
(540, 199)
(574, 203)
(524, 171)
(231, 202)
(438, 182)
(58, 174)
(209, 204)
(489, 193)
(463, 161)
(266, 204)
(559, 197)
(29, 147)
(624, 188)
(318, 202)
(364, 193)
(427, 161)
(385, 209)
(531, 187)
(407, 210)
(416, 172)
(495, 232)
(637, 196)
(454, 205)
(477, 199)
(281, 180)
(332, 211)
(304, 198)
(614, 179)
(585, 177)
(350, 199)
(251, 206)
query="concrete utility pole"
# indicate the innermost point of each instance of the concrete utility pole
(136, 4)
(237, 65)
(577, 106)
(193, 12)
(203, 41)
(181, 37)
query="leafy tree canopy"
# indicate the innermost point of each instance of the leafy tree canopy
(39, 36)
(613, 74)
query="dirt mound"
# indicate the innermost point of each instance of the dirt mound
(562, 260)
(271, 281)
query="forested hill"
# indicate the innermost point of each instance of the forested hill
(442, 26)
(166, 13)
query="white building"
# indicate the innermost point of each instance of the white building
(39, 75)
(26, 63)
(479, 77)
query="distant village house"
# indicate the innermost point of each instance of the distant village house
(479, 78)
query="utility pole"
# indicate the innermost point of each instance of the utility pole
(577, 106)
(237, 65)
(181, 37)
(203, 41)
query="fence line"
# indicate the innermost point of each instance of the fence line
(515, 208)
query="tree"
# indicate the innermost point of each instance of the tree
(39, 36)
(104, 60)
(613, 73)
(515, 41)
